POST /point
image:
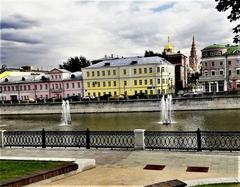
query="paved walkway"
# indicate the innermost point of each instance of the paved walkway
(126, 167)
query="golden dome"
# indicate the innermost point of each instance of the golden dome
(169, 47)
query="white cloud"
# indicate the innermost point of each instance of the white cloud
(95, 28)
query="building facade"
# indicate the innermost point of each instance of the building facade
(129, 76)
(220, 68)
(57, 83)
(181, 65)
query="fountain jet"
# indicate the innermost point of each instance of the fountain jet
(166, 110)
(66, 116)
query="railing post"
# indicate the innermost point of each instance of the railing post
(87, 139)
(2, 138)
(199, 143)
(139, 137)
(43, 138)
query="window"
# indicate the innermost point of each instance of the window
(213, 73)
(229, 72)
(158, 81)
(135, 82)
(56, 77)
(104, 84)
(221, 63)
(24, 87)
(88, 74)
(79, 85)
(93, 73)
(158, 69)
(135, 92)
(150, 70)
(213, 63)
(35, 87)
(103, 73)
(206, 73)
(109, 83)
(67, 86)
(88, 84)
(163, 81)
(125, 83)
(46, 86)
(98, 84)
(221, 72)
(238, 71)
(114, 83)
(206, 64)
(135, 71)
(162, 69)
(73, 85)
(98, 73)
(145, 70)
(115, 93)
(56, 86)
(151, 81)
(140, 70)
(145, 82)
(52, 77)
(93, 84)
(140, 82)
(109, 72)
(40, 87)
(124, 71)
(114, 72)
(59, 76)
(229, 63)
(52, 86)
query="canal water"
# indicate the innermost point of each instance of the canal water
(227, 120)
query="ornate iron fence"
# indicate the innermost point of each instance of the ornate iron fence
(112, 139)
(171, 140)
(179, 140)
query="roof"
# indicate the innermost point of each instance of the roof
(60, 70)
(215, 46)
(23, 78)
(233, 50)
(130, 61)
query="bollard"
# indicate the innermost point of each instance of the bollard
(139, 139)
(2, 138)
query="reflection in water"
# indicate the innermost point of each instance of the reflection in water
(187, 120)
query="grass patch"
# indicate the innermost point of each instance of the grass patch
(11, 169)
(220, 185)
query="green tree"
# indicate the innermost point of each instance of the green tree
(75, 64)
(234, 15)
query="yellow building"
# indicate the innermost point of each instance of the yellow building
(129, 76)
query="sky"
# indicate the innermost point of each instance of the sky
(45, 33)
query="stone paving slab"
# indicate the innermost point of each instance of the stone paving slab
(125, 168)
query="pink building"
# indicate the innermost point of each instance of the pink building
(57, 83)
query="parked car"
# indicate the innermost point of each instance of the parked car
(40, 100)
(88, 98)
(117, 97)
(190, 94)
(30, 100)
(105, 97)
(73, 98)
(138, 96)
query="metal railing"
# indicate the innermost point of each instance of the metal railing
(171, 140)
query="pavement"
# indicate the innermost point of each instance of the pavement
(125, 168)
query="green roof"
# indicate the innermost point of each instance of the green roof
(233, 50)
(214, 46)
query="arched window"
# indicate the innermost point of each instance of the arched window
(6, 80)
(23, 79)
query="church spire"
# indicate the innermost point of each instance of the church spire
(193, 61)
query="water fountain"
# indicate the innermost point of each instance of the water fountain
(66, 116)
(166, 110)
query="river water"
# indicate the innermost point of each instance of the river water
(185, 121)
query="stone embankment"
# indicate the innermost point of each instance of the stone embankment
(148, 105)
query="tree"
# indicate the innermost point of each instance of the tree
(234, 15)
(75, 64)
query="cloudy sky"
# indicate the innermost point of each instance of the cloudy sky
(44, 33)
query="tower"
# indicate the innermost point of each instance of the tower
(193, 61)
